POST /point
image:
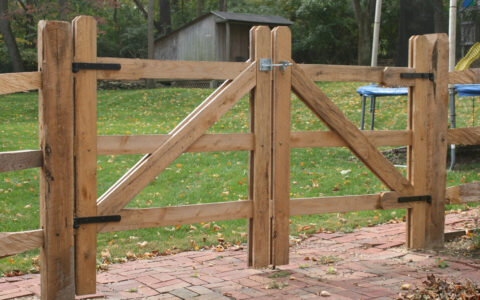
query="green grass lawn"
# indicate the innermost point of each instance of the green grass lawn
(202, 177)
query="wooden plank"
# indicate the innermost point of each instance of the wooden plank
(135, 144)
(142, 144)
(12, 243)
(357, 142)
(184, 136)
(180, 215)
(437, 173)
(429, 123)
(20, 160)
(282, 81)
(464, 193)
(251, 154)
(19, 82)
(382, 75)
(55, 56)
(342, 204)
(470, 76)
(135, 68)
(262, 159)
(415, 153)
(85, 49)
(464, 136)
(304, 139)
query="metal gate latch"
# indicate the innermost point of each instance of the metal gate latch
(96, 219)
(266, 64)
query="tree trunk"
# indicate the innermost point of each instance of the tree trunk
(438, 17)
(364, 17)
(165, 17)
(62, 9)
(199, 8)
(150, 36)
(9, 39)
(222, 5)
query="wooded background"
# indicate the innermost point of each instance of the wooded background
(324, 31)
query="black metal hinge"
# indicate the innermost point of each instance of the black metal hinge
(77, 66)
(417, 76)
(97, 219)
(426, 198)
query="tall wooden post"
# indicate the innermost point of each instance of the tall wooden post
(85, 50)
(282, 41)
(260, 167)
(56, 175)
(428, 121)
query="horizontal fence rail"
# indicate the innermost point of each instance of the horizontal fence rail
(20, 82)
(12, 243)
(470, 76)
(179, 215)
(134, 69)
(19, 160)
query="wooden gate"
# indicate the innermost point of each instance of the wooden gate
(71, 212)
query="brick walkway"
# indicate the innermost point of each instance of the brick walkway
(370, 263)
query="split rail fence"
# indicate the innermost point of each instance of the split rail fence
(71, 215)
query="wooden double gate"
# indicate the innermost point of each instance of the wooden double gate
(70, 145)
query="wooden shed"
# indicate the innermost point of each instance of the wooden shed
(215, 36)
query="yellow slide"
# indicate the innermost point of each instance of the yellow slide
(472, 55)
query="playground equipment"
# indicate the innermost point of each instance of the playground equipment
(71, 215)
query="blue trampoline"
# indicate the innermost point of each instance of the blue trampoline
(467, 90)
(373, 91)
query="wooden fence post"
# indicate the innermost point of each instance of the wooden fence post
(85, 50)
(261, 160)
(56, 175)
(282, 50)
(428, 121)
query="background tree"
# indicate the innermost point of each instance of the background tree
(9, 38)
(364, 12)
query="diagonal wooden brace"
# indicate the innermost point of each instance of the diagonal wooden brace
(185, 134)
(358, 143)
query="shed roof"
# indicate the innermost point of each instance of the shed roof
(251, 18)
(226, 17)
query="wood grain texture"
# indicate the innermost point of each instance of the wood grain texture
(180, 215)
(304, 139)
(12, 243)
(262, 158)
(136, 144)
(342, 204)
(282, 81)
(85, 50)
(464, 193)
(437, 147)
(470, 76)
(385, 76)
(142, 144)
(464, 136)
(55, 44)
(183, 137)
(135, 68)
(20, 160)
(20, 82)
(357, 142)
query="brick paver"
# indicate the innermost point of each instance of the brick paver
(369, 263)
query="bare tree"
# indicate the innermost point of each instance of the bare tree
(139, 5)
(9, 38)
(364, 12)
